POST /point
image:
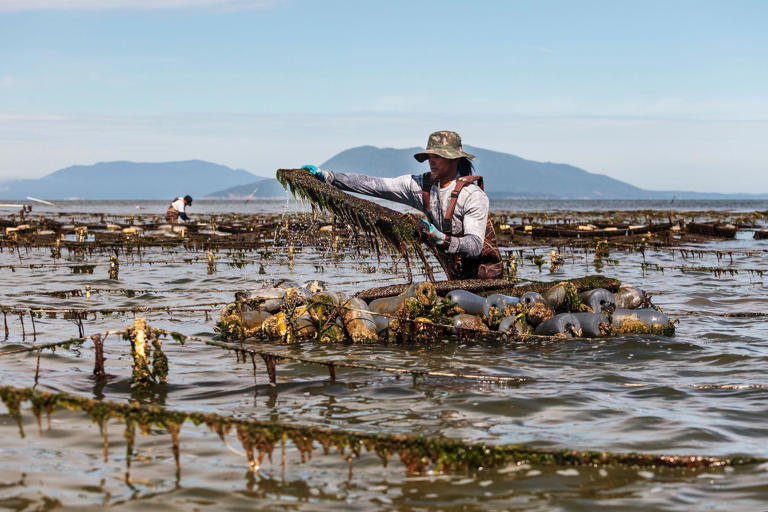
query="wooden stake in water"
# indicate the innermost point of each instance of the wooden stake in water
(98, 366)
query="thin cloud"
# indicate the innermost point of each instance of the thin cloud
(67, 5)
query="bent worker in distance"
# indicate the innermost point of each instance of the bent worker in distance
(177, 211)
(449, 195)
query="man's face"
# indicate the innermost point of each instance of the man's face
(442, 167)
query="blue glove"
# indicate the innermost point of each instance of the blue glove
(435, 234)
(317, 173)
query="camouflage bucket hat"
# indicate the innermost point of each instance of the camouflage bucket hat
(444, 143)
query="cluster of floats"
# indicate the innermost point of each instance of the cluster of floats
(590, 307)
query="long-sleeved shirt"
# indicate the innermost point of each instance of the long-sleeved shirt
(469, 219)
(179, 205)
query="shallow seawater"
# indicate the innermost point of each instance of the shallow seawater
(633, 393)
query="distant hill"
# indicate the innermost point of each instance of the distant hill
(505, 175)
(129, 180)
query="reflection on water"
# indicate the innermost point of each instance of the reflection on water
(627, 394)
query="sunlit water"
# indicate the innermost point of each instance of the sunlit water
(634, 393)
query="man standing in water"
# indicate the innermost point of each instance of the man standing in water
(453, 200)
(177, 211)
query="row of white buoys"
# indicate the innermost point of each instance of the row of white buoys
(298, 311)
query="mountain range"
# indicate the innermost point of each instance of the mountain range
(505, 176)
(129, 180)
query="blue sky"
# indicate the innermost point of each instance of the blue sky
(660, 94)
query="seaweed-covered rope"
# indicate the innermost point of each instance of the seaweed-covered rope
(56, 344)
(84, 291)
(685, 251)
(418, 453)
(362, 366)
(135, 261)
(734, 314)
(16, 309)
(433, 373)
(332, 365)
(717, 271)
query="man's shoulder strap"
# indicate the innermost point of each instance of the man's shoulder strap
(466, 180)
(461, 182)
(426, 186)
